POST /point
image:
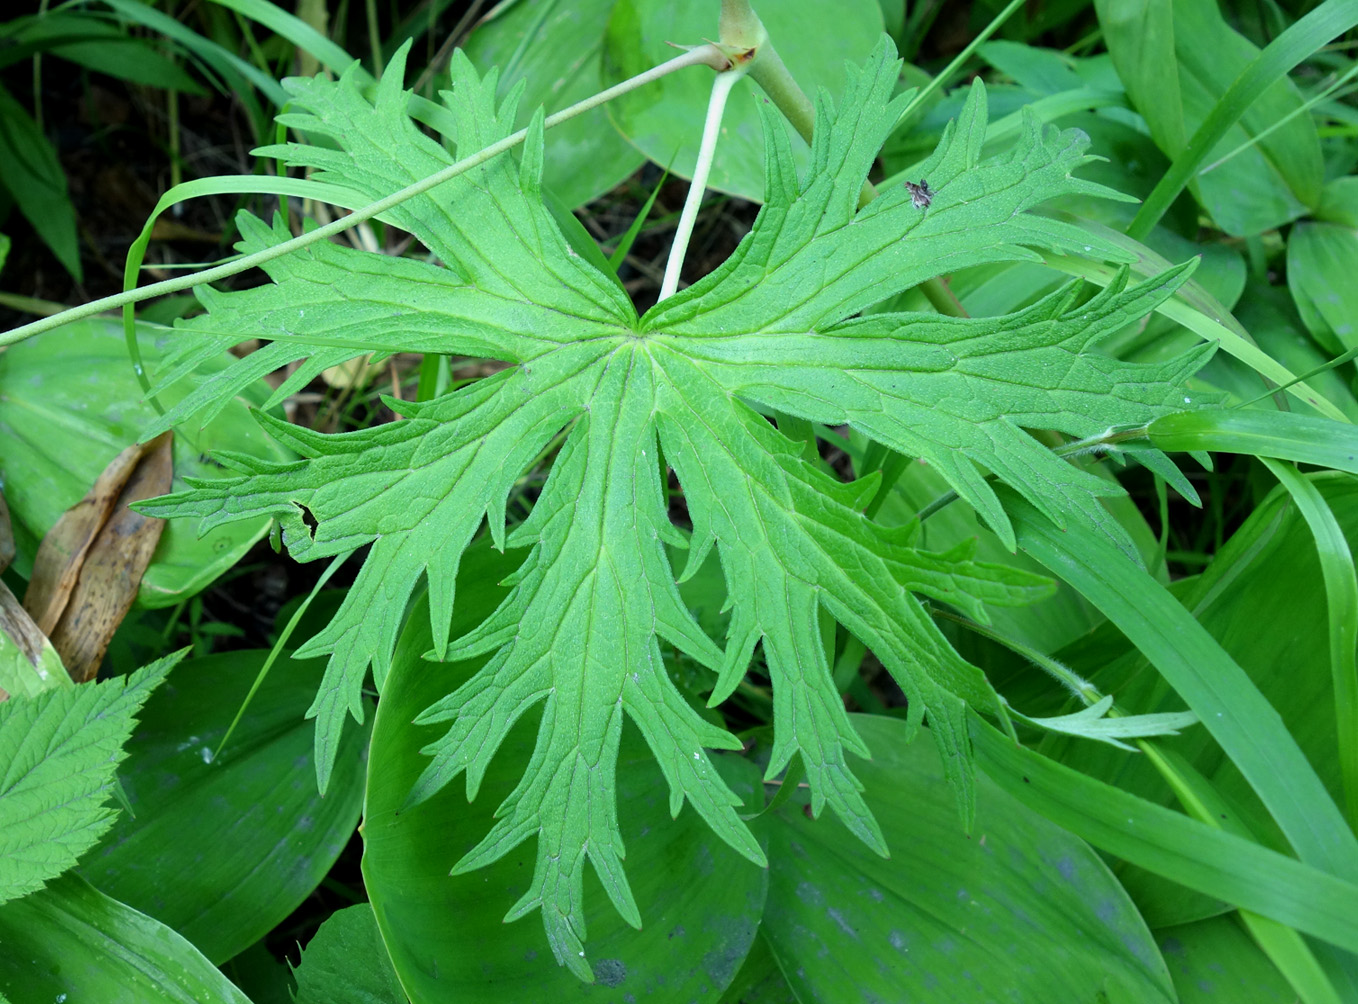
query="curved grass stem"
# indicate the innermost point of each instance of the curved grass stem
(708, 55)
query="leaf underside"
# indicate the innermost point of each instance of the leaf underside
(780, 325)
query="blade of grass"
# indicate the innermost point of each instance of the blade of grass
(1168, 843)
(951, 70)
(615, 260)
(1301, 110)
(1286, 948)
(226, 64)
(1213, 685)
(1341, 597)
(1324, 367)
(278, 645)
(228, 185)
(1331, 19)
(292, 28)
(1282, 435)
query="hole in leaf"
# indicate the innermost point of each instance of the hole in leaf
(309, 519)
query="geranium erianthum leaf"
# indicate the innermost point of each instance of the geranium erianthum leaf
(579, 637)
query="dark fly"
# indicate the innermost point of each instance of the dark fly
(920, 195)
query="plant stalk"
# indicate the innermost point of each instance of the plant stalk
(706, 55)
(716, 105)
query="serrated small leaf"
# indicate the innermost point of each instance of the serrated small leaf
(60, 750)
(347, 963)
(578, 637)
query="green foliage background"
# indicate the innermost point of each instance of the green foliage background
(736, 551)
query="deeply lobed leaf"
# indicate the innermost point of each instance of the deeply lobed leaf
(579, 635)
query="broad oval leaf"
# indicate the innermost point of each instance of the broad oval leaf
(698, 904)
(1321, 261)
(759, 981)
(224, 849)
(1016, 910)
(70, 942)
(346, 963)
(814, 41)
(1215, 961)
(71, 403)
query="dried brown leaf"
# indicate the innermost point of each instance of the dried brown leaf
(92, 561)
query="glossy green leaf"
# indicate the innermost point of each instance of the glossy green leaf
(71, 404)
(33, 176)
(1140, 35)
(58, 754)
(759, 981)
(1339, 202)
(70, 942)
(223, 850)
(664, 120)
(347, 963)
(698, 902)
(1041, 71)
(20, 676)
(1279, 434)
(1215, 962)
(261, 977)
(1017, 909)
(558, 49)
(1322, 259)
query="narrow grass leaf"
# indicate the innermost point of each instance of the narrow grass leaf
(1230, 707)
(1323, 24)
(1341, 598)
(1282, 435)
(1220, 864)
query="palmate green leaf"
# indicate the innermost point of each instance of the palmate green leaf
(579, 634)
(58, 754)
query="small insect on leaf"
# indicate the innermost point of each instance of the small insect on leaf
(920, 195)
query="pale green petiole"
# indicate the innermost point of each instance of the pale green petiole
(716, 106)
